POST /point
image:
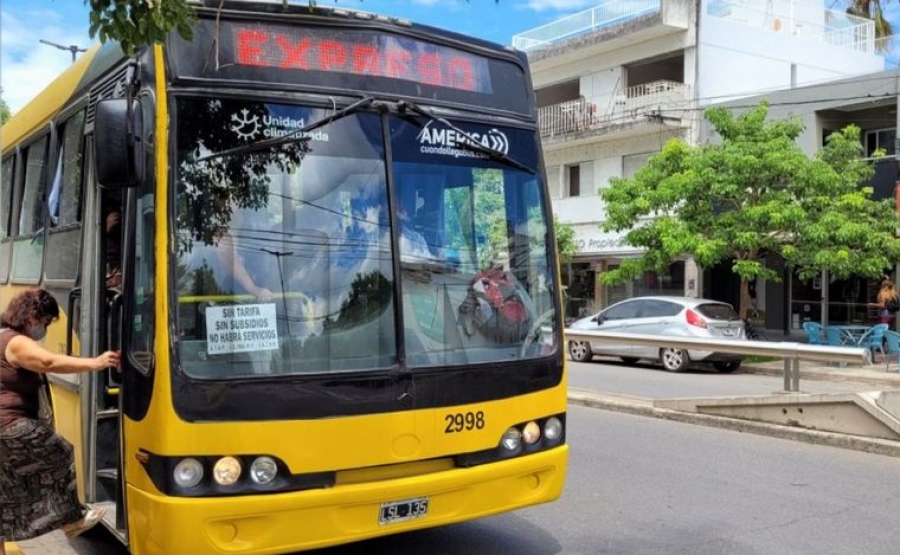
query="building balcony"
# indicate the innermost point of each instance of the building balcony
(618, 23)
(604, 16)
(651, 102)
(802, 19)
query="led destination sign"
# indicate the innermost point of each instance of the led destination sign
(358, 58)
(360, 53)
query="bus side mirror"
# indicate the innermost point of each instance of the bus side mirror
(118, 143)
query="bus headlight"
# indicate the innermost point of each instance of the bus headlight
(532, 433)
(553, 428)
(512, 439)
(227, 471)
(188, 473)
(263, 470)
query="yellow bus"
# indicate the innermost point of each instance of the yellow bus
(339, 298)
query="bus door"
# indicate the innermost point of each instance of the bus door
(96, 303)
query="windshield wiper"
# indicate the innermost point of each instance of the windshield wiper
(472, 143)
(292, 137)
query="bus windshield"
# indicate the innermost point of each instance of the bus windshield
(289, 261)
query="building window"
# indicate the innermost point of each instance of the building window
(574, 179)
(880, 139)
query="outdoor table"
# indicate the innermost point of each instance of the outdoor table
(852, 334)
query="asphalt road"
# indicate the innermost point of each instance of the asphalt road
(645, 486)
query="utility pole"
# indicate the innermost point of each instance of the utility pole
(73, 48)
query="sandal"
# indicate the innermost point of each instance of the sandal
(91, 518)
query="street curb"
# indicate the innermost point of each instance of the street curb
(815, 437)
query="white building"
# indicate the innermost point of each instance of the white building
(615, 82)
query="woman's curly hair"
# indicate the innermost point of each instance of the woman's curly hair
(26, 306)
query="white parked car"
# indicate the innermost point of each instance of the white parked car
(669, 316)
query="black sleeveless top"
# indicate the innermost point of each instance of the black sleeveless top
(18, 387)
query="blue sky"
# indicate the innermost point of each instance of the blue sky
(26, 65)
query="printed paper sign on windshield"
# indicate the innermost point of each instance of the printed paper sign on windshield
(241, 328)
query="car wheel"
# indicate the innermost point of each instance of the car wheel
(630, 360)
(727, 366)
(580, 351)
(674, 360)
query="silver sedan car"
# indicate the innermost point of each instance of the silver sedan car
(670, 316)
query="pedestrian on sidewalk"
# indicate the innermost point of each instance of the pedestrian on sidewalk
(887, 302)
(37, 469)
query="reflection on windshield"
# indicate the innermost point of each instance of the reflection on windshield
(475, 269)
(285, 263)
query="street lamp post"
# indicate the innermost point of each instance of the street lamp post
(73, 48)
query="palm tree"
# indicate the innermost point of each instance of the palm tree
(871, 9)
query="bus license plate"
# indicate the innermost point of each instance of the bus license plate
(402, 511)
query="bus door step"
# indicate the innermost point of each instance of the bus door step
(108, 479)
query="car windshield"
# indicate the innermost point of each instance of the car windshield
(287, 259)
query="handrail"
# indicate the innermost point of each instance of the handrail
(791, 352)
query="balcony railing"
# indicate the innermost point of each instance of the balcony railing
(630, 105)
(803, 19)
(607, 14)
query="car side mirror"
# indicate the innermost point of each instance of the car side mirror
(598, 318)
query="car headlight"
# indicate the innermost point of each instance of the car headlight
(227, 471)
(553, 428)
(531, 433)
(512, 439)
(263, 470)
(188, 472)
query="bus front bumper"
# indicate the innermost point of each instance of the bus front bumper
(286, 522)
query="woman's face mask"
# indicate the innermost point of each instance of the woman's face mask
(37, 332)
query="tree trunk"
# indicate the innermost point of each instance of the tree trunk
(745, 299)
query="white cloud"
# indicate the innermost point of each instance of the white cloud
(27, 65)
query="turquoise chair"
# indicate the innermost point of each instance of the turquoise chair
(815, 333)
(834, 337)
(873, 340)
(892, 342)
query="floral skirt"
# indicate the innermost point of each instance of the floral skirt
(37, 481)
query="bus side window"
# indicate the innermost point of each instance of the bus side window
(64, 202)
(7, 172)
(28, 222)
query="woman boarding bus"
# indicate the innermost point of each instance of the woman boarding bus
(296, 371)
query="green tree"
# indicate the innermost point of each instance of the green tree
(5, 114)
(136, 23)
(752, 193)
(565, 240)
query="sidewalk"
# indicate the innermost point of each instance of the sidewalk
(874, 374)
(870, 377)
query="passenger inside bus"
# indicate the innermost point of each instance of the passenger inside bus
(235, 249)
(413, 245)
(113, 250)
